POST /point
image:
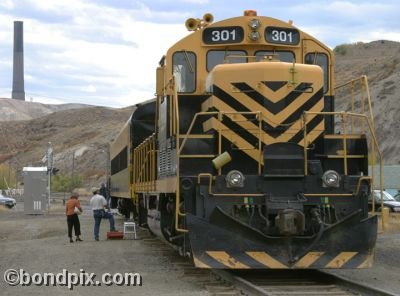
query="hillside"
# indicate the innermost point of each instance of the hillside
(22, 110)
(380, 61)
(82, 133)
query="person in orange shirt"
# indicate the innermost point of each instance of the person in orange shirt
(73, 205)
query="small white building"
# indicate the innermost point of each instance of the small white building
(35, 190)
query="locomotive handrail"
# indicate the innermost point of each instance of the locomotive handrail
(144, 173)
(186, 136)
(210, 192)
(342, 194)
(220, 115)
(363, 79)
(374, 143)
(175, 127)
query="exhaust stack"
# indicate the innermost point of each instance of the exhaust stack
(18, 89)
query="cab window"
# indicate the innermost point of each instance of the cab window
(184, 70)
(320, 59)
(284, 56)
(216, 57)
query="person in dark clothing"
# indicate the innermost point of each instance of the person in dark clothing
(104, 192)
(73, 207)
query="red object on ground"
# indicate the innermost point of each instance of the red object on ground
(115, 235)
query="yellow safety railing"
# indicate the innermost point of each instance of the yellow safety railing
(344, 135)
(176, 132)
(365, 108)
(210, 192)
(145, 168)
(219, 115)
(365, 98)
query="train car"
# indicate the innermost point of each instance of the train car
(249, 165)
(139, 126)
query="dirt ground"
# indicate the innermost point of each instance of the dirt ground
(385, 274)
(39, 244)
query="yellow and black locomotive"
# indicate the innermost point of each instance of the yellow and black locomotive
(242, 161)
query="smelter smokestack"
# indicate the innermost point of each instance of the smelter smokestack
(18, 90)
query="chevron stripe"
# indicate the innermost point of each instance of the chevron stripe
(226, 260)
(249, 130)
(233, 137)
(266, 260)
(368, 261)
(308, 259)
(311, 126)
(241, 103)
(341, 259)
(198, 263)
(274, 85)
(261, 260)
(273, 107)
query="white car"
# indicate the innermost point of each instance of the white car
(9, 202)
(388, 201)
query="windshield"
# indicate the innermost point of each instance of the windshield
(386, 196)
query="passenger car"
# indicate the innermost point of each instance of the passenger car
(7, 201)
(388, 201)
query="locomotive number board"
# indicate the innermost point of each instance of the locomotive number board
(282, 35)
(223, 35)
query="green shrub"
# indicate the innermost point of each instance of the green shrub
(66, 183)
(341, 49)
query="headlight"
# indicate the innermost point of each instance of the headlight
(254, 35)
(254, 24)
(234, 179)
(330, 179)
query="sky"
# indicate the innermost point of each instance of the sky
(105, 52)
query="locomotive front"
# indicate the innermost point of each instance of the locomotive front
(277, 200)
(266, 179)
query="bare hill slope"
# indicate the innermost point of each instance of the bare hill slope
(23, 110)
(380, 61)
(82, 134)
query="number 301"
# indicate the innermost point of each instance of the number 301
(282, 36)
(223, 35)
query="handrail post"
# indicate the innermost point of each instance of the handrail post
(178, 212)
(372, 174)
(260, 152)
(220, 117)
(362, 102)
(305, 142)
(352, 106)
(343, 115)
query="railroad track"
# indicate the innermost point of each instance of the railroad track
(295, 283)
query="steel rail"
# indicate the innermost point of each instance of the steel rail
(270, 286)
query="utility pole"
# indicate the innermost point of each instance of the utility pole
(9, 172)
(49, 171)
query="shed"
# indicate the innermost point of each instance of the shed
(35, 190)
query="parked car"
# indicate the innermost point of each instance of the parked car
(9, 202)
(394, 192)
(388, 201)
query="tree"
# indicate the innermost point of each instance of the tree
(66, 183)
(7, 176)
(341, 49)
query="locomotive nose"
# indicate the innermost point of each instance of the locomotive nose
(224, 243)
